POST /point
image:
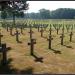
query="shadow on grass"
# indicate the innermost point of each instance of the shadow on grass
(73, 41)
(44, 37)
(9, 48)
(27, 71)
(19, 41)
(6, 69)
(22, 33)
(56, 51)
(38, 59)
(68, 46)
(12, 34)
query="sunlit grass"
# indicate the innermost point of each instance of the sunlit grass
(52, 63)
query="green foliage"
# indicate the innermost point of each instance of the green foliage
(60, 13)
(3, 14)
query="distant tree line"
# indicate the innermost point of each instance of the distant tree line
(60, 13)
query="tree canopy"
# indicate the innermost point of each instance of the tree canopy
(60, 13)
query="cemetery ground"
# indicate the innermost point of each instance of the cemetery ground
(53, 63)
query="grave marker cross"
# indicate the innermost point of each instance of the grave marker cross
(3, 50)
(17, 35)
(41, 31)
(62, 36)
(50, 39)
(71, 34)
(31, 32)
(33, 41)
(62, 39)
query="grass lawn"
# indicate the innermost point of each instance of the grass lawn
(22, 62)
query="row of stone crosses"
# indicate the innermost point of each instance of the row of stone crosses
(41, 29)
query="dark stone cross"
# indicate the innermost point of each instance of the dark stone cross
(41, 31)
(62, 39)
(11, 30)
(71, 34)
(50, 29)
(62, 36)
(3, 50)
(57, 30)
(31, 32)
(37, 59)
(32, 42)
(50, 37)
(17, 35)
(50, 41)
(0, 37)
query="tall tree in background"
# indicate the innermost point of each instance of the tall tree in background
(17, 8)
(3, 6)
(14, 7)
(45, 14)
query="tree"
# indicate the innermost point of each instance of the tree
(45, 14)
(14, 7)
(63, 13)
(3, 14)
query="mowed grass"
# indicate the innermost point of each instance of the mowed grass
(23, 62)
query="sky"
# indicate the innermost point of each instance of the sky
(35, 6)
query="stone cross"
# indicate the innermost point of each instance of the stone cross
(62, 39)
(3, 50)
(71, 34)
(17, 35)
(31, 32)
(41, 31)
(32, 42)
(50, 41)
